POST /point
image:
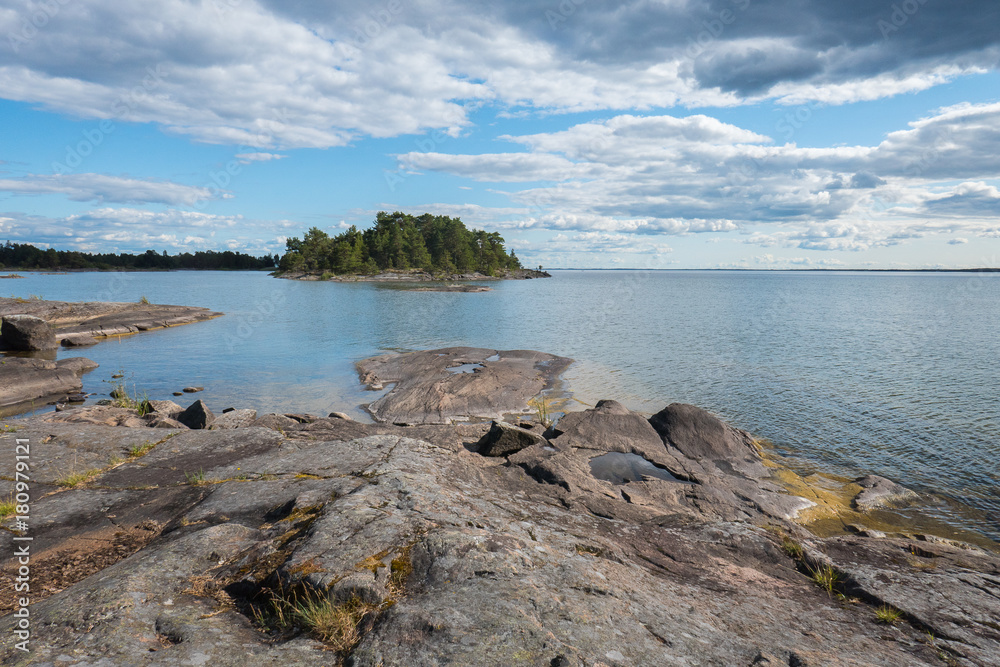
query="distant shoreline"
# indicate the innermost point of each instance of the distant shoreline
(748, 270)
(409, 276)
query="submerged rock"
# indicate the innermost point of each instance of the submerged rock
(881, 492)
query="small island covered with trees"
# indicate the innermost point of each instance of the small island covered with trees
(400, 246)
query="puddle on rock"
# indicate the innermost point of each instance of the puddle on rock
(619, 468)
(464, 368)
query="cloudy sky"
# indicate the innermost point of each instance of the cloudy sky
(643, 133)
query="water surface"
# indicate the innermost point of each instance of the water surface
(849, 373)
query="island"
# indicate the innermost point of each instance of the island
(403, 248)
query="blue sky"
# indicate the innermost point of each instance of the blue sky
(648, 133)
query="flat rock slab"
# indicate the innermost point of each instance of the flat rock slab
(27, 383)
(458, 383)
(97, 319)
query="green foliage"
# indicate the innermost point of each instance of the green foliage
(196, 478)
(400, 241)
(792, 548)
(825, 577)
(887, 614)
(122, 398)
(143, 300)
(8, 507)
(26, 256)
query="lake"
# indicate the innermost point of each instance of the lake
(845, 373)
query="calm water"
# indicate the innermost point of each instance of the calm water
(894, 374)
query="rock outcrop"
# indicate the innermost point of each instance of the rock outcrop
(36, 325)
(27, 383)
(457, 383)
(183, 543)
(94, 320)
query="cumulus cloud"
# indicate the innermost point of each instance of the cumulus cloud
(112, 189)
(137, 230)
(268, 74)
(659, 175)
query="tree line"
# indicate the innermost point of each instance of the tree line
(434, 243)
(26, 257)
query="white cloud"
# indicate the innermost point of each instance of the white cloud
(136, 230)
(678, 176)
(270, 74)
(112, 189)
(247, 158)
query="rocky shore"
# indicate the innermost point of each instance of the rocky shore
(414, 276)
(33, 329)
(607, 539)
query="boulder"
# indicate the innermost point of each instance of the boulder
(503, 439)
(166, 408)
(26, 333)
(78, 340)
(609, 427)
(164, 422)
(234, 419)
(197, 415)
(699, 435)
(192, 390)
(880, 492)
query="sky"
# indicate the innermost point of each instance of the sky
(765, 134)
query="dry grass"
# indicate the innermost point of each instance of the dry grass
(334, 623)
(77, 479)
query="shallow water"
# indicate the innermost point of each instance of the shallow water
(848, 373)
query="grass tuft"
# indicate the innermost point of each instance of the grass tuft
(334, 623)
(8, 507)
(143, 300)
(123, 398)
(888, 614)
(196, 478)
(792, 548)
(77, 479)
(138, 451)
(825, 577)
(542, 405)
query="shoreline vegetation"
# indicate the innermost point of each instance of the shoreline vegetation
(402, 247)
(26, 257)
